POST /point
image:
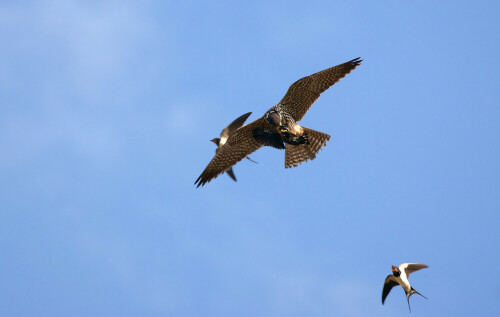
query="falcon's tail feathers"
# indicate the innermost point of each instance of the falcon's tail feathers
(297, 154)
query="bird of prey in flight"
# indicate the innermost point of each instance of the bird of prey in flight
(399, 276)
(279, 128)
(226, 133)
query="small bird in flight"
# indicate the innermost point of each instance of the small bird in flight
(226, 133)
(399, 276)
(279, 128)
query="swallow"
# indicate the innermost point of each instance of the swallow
(226, 133)
(399, 276)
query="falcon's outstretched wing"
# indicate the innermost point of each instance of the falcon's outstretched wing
(239, 145)
(304, 92)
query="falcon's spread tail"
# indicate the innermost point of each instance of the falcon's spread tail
(296, 154)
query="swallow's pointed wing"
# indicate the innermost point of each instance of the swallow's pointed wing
(239, 145)
(390, 282)
(411, 267)
(304, 92)
(233, 126)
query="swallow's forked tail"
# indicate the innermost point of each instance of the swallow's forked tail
(411, 292)
(296, 154)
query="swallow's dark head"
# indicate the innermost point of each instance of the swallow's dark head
(216, 141)
(395, 271)
(273, 117)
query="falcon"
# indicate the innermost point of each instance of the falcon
(226, 133)
(278, 127)
(399, 276)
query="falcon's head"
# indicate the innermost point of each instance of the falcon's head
(274, 118)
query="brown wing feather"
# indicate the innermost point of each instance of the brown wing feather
(304, 92)
(240, 144)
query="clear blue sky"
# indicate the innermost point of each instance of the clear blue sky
(106, 112)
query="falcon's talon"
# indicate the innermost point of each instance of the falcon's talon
(283, 130)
